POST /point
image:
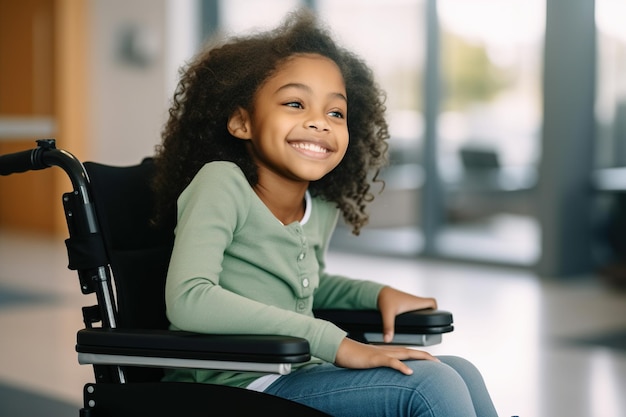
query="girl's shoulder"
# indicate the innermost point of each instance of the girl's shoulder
(221, 173)
(218, 178)
(217, 168)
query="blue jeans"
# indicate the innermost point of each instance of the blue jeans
(452, 388)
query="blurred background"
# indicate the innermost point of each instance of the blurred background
(505, 196)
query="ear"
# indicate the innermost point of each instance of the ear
(239, 124)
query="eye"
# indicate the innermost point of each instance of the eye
(336, 113)
(294, 104)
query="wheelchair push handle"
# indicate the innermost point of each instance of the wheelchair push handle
(46, 155)
(24, 161)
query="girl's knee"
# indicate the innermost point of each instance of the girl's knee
(441, 389)
(466, 369)
(458, 362)
(440, 378)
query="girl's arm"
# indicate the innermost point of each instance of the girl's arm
(392, 302)
(346, 293)
(342, 292)
(210, 211)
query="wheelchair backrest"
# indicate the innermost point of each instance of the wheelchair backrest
(138, 250)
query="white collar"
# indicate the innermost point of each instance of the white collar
(308, 207)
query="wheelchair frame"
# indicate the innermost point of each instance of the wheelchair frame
(108, 348)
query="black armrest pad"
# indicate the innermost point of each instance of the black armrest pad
(426, 321)
(188, 345)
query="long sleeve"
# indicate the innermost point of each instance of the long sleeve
(233, 271)
(340, 292)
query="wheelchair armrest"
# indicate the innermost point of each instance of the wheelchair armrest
(179, 349)
(419, 327)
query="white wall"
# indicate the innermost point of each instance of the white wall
(136, 49)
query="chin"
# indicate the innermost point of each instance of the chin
(315, 176)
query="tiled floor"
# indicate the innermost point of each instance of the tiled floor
(545, 348)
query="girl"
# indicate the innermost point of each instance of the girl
(269, 138)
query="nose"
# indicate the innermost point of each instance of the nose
(316, 126)
(317, 122)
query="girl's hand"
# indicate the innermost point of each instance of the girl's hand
(392, 302)
(355, 355)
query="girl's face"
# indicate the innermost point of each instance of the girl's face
(298, 129)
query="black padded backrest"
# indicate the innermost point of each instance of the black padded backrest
(139, 251)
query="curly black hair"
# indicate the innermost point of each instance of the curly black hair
(227, 76)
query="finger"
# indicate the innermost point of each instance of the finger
(389, 321)
(428, 357)
(408, 353)
(405, 369)
(400, 366)
(425, 355)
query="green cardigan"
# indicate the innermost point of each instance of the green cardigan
(236, 269)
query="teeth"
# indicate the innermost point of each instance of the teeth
(309, 147)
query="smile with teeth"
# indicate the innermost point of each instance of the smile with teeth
(310, 147)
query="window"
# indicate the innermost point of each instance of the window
(489, 126)
(611, 85)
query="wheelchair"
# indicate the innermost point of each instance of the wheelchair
(123, 258)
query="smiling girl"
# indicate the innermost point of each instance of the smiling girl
(270, 138)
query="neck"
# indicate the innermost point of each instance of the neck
(284, 198)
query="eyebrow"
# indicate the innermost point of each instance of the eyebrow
(309, 89)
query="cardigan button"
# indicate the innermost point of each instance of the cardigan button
(301, 256)
(305, 282)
